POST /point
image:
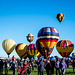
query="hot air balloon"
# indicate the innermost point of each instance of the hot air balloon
(32, 50)
(47, 38)
(21, 50)
(8, 45)
(30, 37)
(42, 50)
(73, 55)
(65, 47)
(60, 17)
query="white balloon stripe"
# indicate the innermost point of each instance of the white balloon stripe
(41, 37)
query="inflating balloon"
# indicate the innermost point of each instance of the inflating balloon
(21, 50)
(65, 47)
(8, 45)
(30, 37)
(47, 38)
(60, 17)
(32, 50)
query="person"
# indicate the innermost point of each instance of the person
(41, 66)
(13, 67)
(52, 66)
(67, 63)
(32, 63)
(62, 66)
(57, 66)
(24, 68)
(38, 66)
(48, 67)
(29, 69)
(6, 67)
(1, 67)
(73, 64)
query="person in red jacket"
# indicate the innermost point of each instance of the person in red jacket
(24, 68)
(73, 64)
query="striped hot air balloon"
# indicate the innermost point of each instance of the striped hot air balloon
(65, 47)
(60, 17)
(21, 50)
(47, 38)
(8, 46)
(32, 50)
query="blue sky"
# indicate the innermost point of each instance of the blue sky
(20, 17)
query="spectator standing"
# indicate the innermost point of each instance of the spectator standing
(6, 67)
(57, 66)
(29, 69)
(48, 67)
(42, 65)
(62, 66)
(52, 66)
(13, 67)
(73, 64)
(1, 67)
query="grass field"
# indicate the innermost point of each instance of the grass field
(68, 71)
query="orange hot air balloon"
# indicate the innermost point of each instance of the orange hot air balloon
(65, 47)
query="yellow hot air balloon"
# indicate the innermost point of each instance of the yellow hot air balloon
(8, 45)
(21, 50)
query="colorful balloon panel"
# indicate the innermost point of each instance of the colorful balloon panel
(32, 49)
(60, 17)
(8, 45)
(65, 47)
(42, 50)
(21, 50)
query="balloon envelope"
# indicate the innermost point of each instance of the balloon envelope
(60, 17)
(21, 50)
(30, 37)
(32, 49)
(48, 37)
(8, 45)
(65, 47)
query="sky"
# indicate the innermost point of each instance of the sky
(18, 18)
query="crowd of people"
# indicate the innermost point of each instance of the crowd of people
(25, 67)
